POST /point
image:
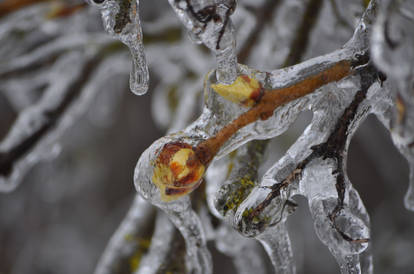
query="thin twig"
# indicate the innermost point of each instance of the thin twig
(272, 99)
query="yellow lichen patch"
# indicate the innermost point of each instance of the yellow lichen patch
(129, 238)
(400, 109)
(245, 91)
(235, 198)
(177, 171)
(135, 259)
(60, 9)
(172, 97)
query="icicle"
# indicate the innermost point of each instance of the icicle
(393, 53)
(277, 245)
(124, 244)
(341, 223)
(409, 196)
(198, 256)
(357, 207)
(161, 246)
(244, 252)
(179, 211)
(242, 175)
(226, 65)
(121, 20)
(249, 260)
(408, 152)
(391, 45)
(348, 264)
(365, 258)
(343, 232)
(209, 22)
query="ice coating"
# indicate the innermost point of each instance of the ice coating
(144, 172)
(52, 114)
(392, 40)
(145, 167)
(353, 218)
(208, 22)
(392, 50)
(269, 204)
(244, 252)
(198, 256)
(206, 144)
(180, 66)
(121, 20)
(179, 211)
(242, 176)
(277, 245)
(225, 194)
(161, 245)
(350, 234)
(125, 242)
(72, 47)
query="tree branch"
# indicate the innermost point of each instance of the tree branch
(334, 148)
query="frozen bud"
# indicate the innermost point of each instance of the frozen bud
(245, 91)
(177, 171)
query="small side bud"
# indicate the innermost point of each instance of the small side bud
(245, 91)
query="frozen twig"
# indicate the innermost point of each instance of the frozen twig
(39, 126)
(128, 241)
(210, 24)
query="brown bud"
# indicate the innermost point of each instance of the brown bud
(177, 171)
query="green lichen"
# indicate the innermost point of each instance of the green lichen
(142, 247)
(175, 264)
(245, 165)
(172, 98)
(244, 187)
(259, 222)
(135, 260)
(169, 35)
(366, 3)
(232, 155)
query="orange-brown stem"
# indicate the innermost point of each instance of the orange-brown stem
(64, 9)
(9, 6)
(264, 109)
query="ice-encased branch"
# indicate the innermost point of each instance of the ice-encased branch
(38, 127)
(393, 53)
(122, 21)
(209, 22)
(125, 243)
(225, 193)
(245, 253)
(234, 126)
(163, 241)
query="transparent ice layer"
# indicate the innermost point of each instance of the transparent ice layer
(393, 53)
(209, 22)
(121, 20)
